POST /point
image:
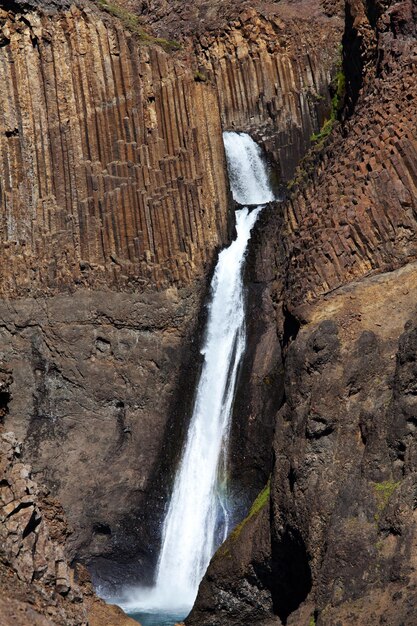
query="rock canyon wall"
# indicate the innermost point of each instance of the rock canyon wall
(113, 203)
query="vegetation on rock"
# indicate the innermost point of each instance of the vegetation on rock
(260, 501)
(307, 165)
(383, 493)
(132, 23)
(338, 87)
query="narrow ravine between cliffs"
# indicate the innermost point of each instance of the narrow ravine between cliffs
(199, 516)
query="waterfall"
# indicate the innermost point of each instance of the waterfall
(247, 173)
(197, 520)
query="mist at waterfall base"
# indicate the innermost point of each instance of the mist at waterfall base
(198, 516)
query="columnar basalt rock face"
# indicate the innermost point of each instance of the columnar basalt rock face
(272, 64)
(111, 158)
(272, 72)
(359, 214)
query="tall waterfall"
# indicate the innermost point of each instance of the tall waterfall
(197, 518)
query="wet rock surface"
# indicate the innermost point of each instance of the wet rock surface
(260, 388)
(245, 576)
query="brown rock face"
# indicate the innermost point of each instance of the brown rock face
(358, 215)
(97, 375)
(37, 585)
(173, 17)
(111, 157)
(272, 71)
(341, 487)
(242, 566)
(111, 151)
(112, 175)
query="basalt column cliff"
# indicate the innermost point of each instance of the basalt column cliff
(114, 203)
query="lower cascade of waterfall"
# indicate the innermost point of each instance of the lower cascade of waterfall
(198, 516)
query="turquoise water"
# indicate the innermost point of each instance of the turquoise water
(157, 619)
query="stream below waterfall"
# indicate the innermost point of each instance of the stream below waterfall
(198, 517)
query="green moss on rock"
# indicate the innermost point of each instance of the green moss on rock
(339, 86)
(383, 492)
(261, 500)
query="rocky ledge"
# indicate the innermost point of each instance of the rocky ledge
(37, 585)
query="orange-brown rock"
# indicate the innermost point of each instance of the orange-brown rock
(112, 164)
(102, 614)
(111, 158)
(272, 69)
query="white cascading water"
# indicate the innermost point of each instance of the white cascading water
(247, 172)
(197, 518)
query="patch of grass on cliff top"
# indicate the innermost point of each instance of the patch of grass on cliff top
(132, 23)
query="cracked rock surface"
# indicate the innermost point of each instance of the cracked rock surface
(37, 585)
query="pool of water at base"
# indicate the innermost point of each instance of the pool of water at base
(157, 619)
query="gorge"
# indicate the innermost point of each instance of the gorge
(200, 513)
(114, 204)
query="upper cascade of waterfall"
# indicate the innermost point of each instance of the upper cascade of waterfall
(198, 516)
(248, 176)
